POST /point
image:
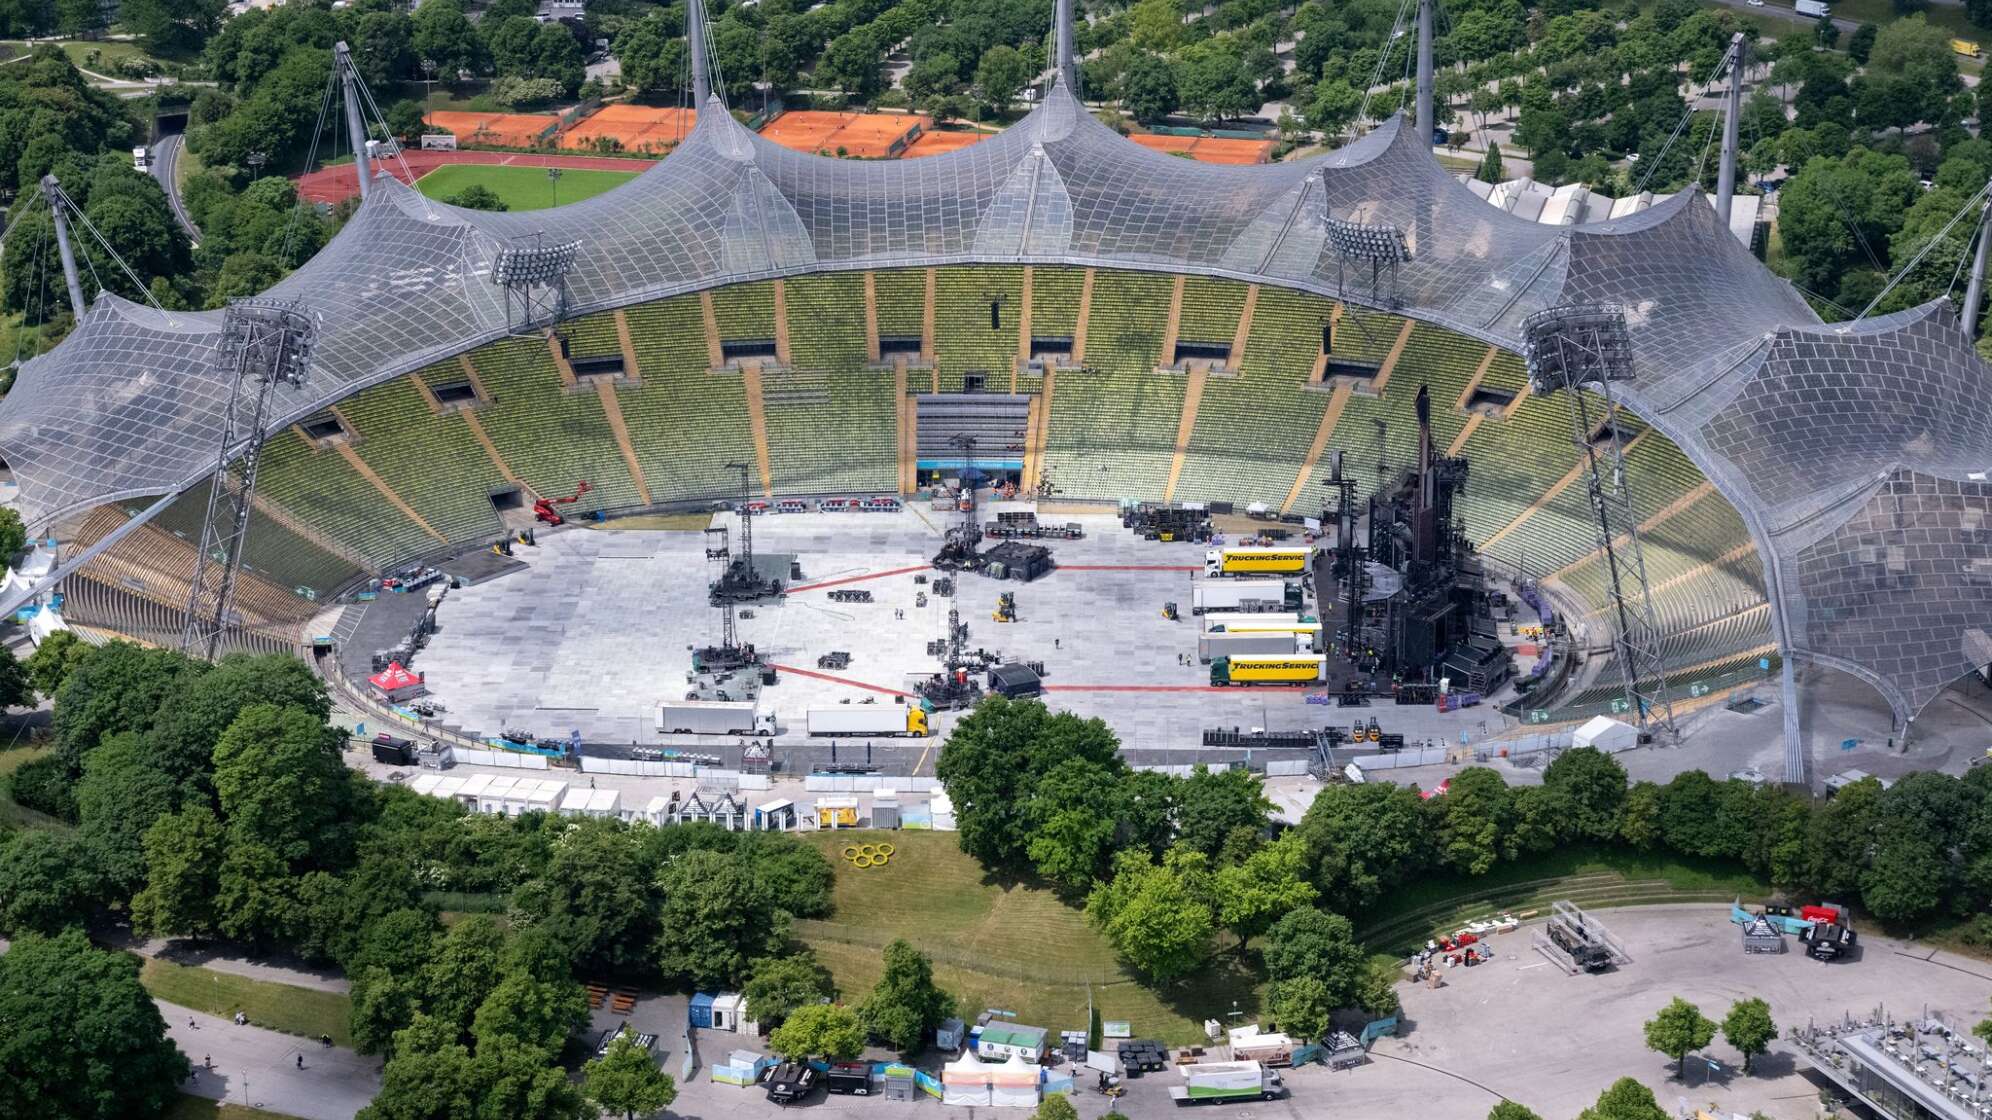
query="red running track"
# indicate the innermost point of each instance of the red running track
(879, 688)
(336, 184)
(858, 579)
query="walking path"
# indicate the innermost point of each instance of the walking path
(260, 1068)
(224, 958)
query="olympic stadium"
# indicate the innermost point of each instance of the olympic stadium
(1145, 328)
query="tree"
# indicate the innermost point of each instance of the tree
(122, 793)
(1316, 944)
(1302, 1006)
(776, 986)
(51, 662)
(1002, 72)
(1055, 1106)
(1511, 1110)
(1376, 993)
(1334, 107)
(1679, 1028)
(1155, 916)
(1473, 816)
(1148, 88)
(461, 974)
(1749, 1028)
(627, 1080)
(713, 921)
(1860, 45)
(14, 538)
(595, 895)
(189, 729)
(652, 53)
(384, 1003)
(183, 854)
(1585, 788)
(1626, 1099)
(1211, 804)
(1490, 170)
(83, 1039)
(1362, 840)
(906, 1004)
(477, 196)
(1268, 885)
(533, 1012)
(442, 34)
(992, 762)
(822, 1030)
(282, 784)
(46, 883)
(1073, 825)
(118, 687)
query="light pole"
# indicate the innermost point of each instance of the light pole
(553, 177)
(256, 160)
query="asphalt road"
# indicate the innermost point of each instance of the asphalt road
(1785, 11)
(165, 166)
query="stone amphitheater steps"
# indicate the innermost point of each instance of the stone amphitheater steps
(1595, 891)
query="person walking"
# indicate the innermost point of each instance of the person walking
(300, 1061)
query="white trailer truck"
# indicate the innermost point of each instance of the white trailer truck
(1213, 1082)
(868, 719)
(713, 717)
(1245, 595)
(1220, 643)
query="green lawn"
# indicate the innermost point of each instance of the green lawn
(1001, 945)
(521, 188)
(201, 1108)
(1595, 878)
(307, 1012)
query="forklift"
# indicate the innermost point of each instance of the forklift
(1006, 607)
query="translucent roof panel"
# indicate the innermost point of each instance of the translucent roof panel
(1856, 454)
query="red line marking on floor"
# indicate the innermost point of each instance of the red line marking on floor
(1130, 567)
(858, 579)
(1261, 693)
(839, 680)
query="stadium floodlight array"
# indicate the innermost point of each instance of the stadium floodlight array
(537, 266)
(265, 339)
(1364, 241)
(1576, 344)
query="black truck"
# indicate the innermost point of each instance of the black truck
(851, 1078)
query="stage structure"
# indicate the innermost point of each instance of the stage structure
(264, 343)
(1585, 346)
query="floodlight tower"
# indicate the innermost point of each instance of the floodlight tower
(1380, 245)
(1568, 349)
(264, 343)
(534, 276)
(58, 203)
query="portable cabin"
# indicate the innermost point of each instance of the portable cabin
(1001, 1041)
(729, 1013)
(836, 812)
(774, 816)
(951, 1036)
(898, 1083)
(700, 1012)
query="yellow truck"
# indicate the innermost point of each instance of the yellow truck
(1269, 668)
(1967, 48)
(1257, 561)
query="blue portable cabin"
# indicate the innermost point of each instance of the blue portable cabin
(701, 1011)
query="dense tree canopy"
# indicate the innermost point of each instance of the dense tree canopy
(83, 1039)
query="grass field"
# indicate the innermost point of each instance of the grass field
(1001, 945)
(306, 1012)
(1595, 878)
(521, 188)
(201, 1108)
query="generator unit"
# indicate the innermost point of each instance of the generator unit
(1584, 952)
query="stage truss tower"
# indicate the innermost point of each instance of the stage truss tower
(1567, 349)
(264, 343)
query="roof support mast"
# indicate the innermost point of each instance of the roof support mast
(1425, 119)
(695, 40)
(1974, 292)
(52, 190)
(356, 131)
(1725, 183)
(1062, 38)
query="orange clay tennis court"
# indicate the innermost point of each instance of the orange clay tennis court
(1207, 149)
(854, 135)
(933, 143)
(632, 128)
(510, 130)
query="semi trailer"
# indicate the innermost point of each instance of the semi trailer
(868, 719)
(713, 717)
(1299, 669)
(1221, 643)
(1258, 560)
(1215, 1082)
(1242, 595)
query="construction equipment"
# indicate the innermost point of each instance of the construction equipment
(1006, 607)
(1169, 611)
(543, 507)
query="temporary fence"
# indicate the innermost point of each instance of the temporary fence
(632, 128)
(468, 756)
(1286, 767)
(511, 130)
(1188, 770)
(865, 783)
(934, 142)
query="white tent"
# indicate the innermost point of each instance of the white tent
(1606, 734)
(965, 1081)
(1014, 1084)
